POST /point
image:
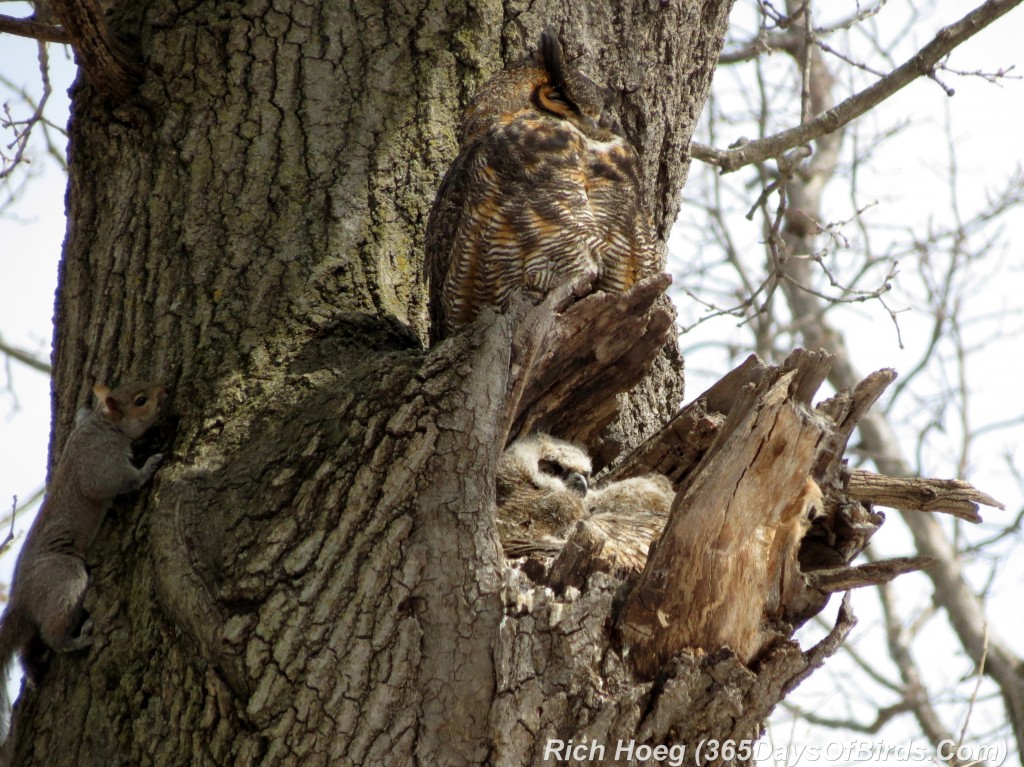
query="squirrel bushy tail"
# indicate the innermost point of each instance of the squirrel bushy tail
(16, 631)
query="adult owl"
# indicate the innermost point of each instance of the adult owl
(541, 484)
(545, 189)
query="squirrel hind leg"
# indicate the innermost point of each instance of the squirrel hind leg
(74, 633)
(60, 613)
(68, 631)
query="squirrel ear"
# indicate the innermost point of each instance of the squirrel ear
(108, 403)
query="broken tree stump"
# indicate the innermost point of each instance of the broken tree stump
(729, 551)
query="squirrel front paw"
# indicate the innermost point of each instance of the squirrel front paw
(149, 468)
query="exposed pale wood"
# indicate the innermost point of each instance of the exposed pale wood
(578, 558)
(847, 408)
(763, 529)
(600, 346)
(323, 535)
(679, 445)
(727, 555)
(733, 570)
(946, 496)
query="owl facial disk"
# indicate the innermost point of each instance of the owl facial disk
(554, 101)
(550, 99)
(574, 480)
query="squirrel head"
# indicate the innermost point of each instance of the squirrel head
(132, 407)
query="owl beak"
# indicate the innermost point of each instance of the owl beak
(593, 126)
(577, 482)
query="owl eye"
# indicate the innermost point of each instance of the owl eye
(554, 468)
(575, 480)
(550, 99)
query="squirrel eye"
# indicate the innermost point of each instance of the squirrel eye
(140, 400)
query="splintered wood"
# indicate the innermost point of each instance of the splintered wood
(729, 552)
(948, 496)
(569, 371)
(767, 516)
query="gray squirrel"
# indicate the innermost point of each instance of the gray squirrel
(50, 578)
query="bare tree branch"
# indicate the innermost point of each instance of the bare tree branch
(827, 647)
(25, 358)
(793, 253)
(921, 64)
(882, 717)
(36, 30)
(915, 693)
(6, 542)
(870, 574)
(107, 63)
(878, 439)
(22, 129)
(949, 496)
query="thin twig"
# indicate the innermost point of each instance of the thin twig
(923, 63)
(25, 358)
(46, 33)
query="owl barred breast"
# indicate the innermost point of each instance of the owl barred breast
(544, 189)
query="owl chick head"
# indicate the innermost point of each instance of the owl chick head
(550, 463)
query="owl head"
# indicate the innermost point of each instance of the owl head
(545, 463)
(546, 83)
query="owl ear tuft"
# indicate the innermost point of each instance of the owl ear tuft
(549, 54)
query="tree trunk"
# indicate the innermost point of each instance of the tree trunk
(314, 577)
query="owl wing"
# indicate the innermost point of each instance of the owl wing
(626, 242)
(547, 546)
(632, 513)
(513, 211)
(442, 226)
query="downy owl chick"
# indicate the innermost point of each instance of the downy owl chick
(545, 189)
(541, 487)
(632, 513)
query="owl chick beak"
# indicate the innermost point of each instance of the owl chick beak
(576, 482)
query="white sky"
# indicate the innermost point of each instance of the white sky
(989, 124)
(908, 180)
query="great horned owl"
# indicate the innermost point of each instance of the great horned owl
(541, 484)
(631, 513)
(544, 189)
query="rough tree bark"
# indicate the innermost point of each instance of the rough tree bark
(314, 577)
